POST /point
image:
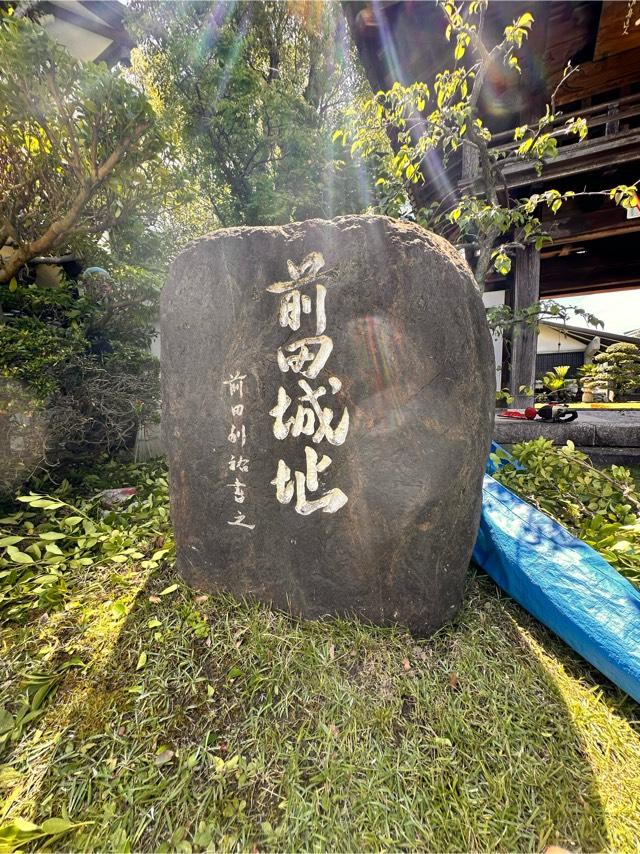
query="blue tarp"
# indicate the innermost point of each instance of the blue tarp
(562, 582)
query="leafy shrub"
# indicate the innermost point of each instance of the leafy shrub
(77, 377)
(33, 351)
(600, 506)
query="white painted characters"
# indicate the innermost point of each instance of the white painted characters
(306, 356)
(310, 418)
(235, 383)
(238, 436)
(329, 502)
(293, 304)
(302, 353)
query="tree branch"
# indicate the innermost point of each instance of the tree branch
(61, 227)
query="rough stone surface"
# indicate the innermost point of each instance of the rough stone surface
(414, 357)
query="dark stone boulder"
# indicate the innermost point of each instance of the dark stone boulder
(328, 397)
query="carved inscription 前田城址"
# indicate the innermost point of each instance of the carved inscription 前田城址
(307, 357)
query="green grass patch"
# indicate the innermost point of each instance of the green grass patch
(176, 721)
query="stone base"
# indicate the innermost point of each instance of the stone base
(613, 428)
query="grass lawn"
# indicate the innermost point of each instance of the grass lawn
(174, 721)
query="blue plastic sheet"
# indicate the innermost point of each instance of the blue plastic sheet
(562, 582)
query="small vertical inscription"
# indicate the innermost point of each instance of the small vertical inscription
(238, 464)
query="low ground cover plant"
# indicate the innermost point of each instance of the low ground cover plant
(600, 506)
(76, 374)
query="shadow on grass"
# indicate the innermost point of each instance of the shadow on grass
(211, 722)
(616, 700)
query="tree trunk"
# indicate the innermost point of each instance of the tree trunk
(525, 335)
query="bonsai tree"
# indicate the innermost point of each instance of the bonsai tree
(618, 368)
(589, 382)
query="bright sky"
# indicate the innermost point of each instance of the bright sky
(619, 311)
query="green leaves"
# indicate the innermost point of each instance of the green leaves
(518, 30)
(41, 502)
(577, 126)
(625, 195)
(167, 590)
(44, 546)
(602, 507)
(463, 40)
(501, 263)
(39, 687)
(555, 380)
(19, 832)
(412, 173)
(10, 541)
(17, 556)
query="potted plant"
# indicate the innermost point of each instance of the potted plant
(556, 384)
(588, 382)
(503, 397)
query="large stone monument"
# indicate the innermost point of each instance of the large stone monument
(328, 391)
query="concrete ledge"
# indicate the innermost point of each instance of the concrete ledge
(613, 456)
(613, 429)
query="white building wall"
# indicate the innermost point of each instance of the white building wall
(552, 340)
(155, 343)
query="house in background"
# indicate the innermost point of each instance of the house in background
(564, 344)
(91, 30)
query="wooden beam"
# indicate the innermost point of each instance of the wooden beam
(112, 13)
(594, 78)
(610, 264)
(525, 335)
(594, 289)
(504, 139)
(573, 225)
(571, 30)
(114, 53)
(611, 36)
(581, 157)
